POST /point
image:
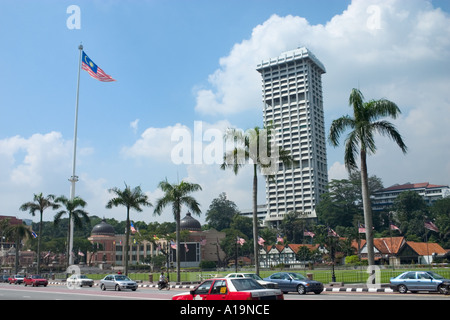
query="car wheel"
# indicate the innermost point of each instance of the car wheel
(402, 288)
(301, 289)
(442, 289)
(102, 286)
(117, 287)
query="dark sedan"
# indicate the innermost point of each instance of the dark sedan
(295, 282)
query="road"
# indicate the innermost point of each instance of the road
(61, 292)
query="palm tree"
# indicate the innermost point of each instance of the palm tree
(17, 232)
(364, 124)
(131, 199)
(178, 195)
(73, 208)
(255, 145)
(40, 203)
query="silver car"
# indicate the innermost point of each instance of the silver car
(419, 281)
(117, 282)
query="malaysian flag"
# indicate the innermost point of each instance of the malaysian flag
(240, 240)
(361, 228)
(34, 234)
(173, 244)
(394, 227)
(279, 238)
(133, 229)
(431, 226)
(307, 233)
(261, 241)
(93, 70)
(332, 233)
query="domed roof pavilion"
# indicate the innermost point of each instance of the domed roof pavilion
(103, 229)
(189, 223)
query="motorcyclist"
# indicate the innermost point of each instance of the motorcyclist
(162, 280)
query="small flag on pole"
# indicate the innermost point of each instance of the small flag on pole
(93, 70)
(361, 228)
(431, 226)
(280, 239)
(133, 229)
(307, 233)
(240, 240)
(394, 227)
(261, 241)
(34, 234)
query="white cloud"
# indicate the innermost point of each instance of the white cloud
(134, 125)
(36, 160)
(337, 171)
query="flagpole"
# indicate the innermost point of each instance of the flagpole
(74, 178)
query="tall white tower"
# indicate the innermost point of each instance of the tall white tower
(293, 104)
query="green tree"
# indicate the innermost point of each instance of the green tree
(74, 210)
(131, 199)
(364, 124)
(221, 212)
(409, 212)
(257, 147)
(178, 195)
(441, 211)
(39, 204)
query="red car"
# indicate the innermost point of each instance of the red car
(230, 289)
(35, 281)
(16, 279)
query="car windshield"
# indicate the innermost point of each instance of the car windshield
(435, 275)
(253, 276)
(122, 278)
(297, 276)
(83, 276)
(246, 284)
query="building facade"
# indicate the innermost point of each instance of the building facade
(196, 247)
(293, 105)
(384, 199)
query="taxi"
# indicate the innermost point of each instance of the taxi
(230, 289)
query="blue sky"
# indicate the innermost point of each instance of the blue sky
(183, 62)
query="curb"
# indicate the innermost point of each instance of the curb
(374, 290)
(190, 286)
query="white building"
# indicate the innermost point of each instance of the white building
(384, 198)
(293, 104)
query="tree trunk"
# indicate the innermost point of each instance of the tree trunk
(39, 246)
(127, 241)
(177, 218)
(255, 219)
(367, 209)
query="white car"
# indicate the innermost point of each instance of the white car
(79, 280)
(265, 284)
